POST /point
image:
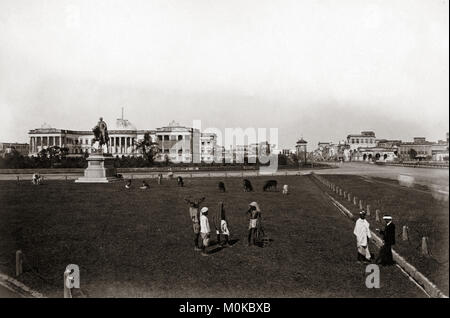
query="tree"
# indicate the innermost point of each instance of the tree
(166, 159)
(149, 148)
(53, 154)
(13, 159)
(282, 159)
(412, 154)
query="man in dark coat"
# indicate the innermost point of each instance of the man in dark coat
(388, 234)
(194, 213)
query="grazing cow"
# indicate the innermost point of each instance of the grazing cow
(180, 182)
(221, 186)
(285, 189)
(270, 184)
(247, 185)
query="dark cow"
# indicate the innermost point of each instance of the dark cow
(270, 184)
(221, 186)
(180, 182)
(247, 185)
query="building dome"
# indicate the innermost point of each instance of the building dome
(301, 141)
(122, 124)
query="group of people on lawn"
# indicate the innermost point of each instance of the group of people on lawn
(202, 229)
(363, 235)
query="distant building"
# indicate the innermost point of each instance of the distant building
(382, 150)
(374, 153)
(9, 147)
(178, 143)
(301, 150)
(386, 143)
(365, 139)
(323, 151)
(439, 151)
(208, 147)
(77, 142)
(420, 145)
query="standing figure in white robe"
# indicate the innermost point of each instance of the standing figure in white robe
(204, 229)
(362, 233)
(221, 226)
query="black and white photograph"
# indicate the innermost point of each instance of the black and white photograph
(236, 151)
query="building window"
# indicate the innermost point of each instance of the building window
(187, 137)
(166, 137)
(180, 137)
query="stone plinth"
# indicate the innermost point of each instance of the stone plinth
(100, 169)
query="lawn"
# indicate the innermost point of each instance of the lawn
(138, 243)
(415, 207)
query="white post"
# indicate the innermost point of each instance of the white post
(377, 215)
(19, 263)
(405, 233)
(425, 251)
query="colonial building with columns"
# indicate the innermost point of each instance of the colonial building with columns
(122, 139)
(77, 142)
(177, 143)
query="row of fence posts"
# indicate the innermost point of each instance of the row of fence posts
(354, 199)
(68, 278)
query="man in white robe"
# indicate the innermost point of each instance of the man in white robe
(204, 229)
(362, 233)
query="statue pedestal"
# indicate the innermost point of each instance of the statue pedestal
(100, 169)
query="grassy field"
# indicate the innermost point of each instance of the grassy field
(138, 243)
(414, 207)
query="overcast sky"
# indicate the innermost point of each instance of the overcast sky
(317, 69)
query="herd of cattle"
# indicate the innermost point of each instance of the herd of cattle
(247, 185)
